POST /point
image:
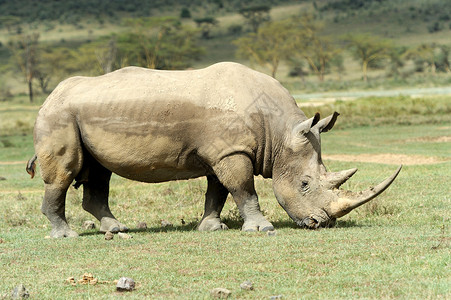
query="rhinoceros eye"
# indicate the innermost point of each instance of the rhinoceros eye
(304, 185)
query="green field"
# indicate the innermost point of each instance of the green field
(397, 246)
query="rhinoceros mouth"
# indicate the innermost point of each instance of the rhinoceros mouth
(315, 222)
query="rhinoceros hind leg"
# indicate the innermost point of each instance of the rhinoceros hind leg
(95, 196)
(236, 173)
(53, 207)
(215, 198)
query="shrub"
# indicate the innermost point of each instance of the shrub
(436, 26)
(185, 13)
(5, 92)
(235, 29)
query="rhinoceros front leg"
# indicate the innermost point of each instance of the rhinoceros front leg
(215, 197)
(53, 207)
(236, 173)
(95, 197)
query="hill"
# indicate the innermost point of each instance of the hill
(73, 23)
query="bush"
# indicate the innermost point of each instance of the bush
(297, 71)
(5, 92)
(436, 26)
(6, 143)
(235, 29)
(185, 13)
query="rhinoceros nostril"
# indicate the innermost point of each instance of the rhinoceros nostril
(309, 222)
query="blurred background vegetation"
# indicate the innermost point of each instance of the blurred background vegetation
(311, 45)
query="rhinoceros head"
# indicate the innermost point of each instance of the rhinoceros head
(302, 185)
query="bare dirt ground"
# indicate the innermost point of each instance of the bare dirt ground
(13, 162)
(437, 139)
(383, 158)
(350, 95)
(387, 158)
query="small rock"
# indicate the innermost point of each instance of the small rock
(247, 285)
(71, 281)
(20, 291)
(141, 225)
(271, 233)
(109, 235)
(220, 293)
(87, 278)
(276, 297)
(165, 223)
(89, 225)
(125, 284)
(124, 235)
(2, 178)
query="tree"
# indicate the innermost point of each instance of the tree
(54, 63)
(106, 55)
(25, 53)
(256, 15)
(293, 39)
(442, 58)
(432, 56)
(337, 64)
(206, 25)
(316, 49)
(307, 43)
(395, 60)
(368, 49)
(268, 46)
(422, 55)
(320, 52)
(159, 43)
(149, 41)
(11, 23)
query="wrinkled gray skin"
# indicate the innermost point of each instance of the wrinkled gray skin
(226, 122)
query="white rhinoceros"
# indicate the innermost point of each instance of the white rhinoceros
(226, 122)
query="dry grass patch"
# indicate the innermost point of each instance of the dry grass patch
(387, 158)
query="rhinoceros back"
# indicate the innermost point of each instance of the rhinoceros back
(154, 126)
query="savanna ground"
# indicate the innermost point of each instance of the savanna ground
(397, 246)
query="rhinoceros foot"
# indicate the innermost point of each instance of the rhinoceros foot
(112, 225)
(260, 224)
(212, 224)
(63, 231)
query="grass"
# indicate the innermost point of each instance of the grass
(374, 111)
(351, 80)
(396, 246)
(402, 139)
(295, 264)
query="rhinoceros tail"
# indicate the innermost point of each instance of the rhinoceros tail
(31, 166)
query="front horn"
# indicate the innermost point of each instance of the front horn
(347, 201)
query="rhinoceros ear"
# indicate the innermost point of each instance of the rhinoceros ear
(326, 124)
(305, 126)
